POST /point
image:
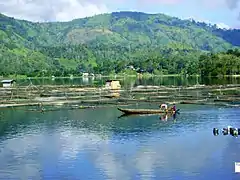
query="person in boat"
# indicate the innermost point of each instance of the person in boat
(163, 106)
(174, 107)
(41, 107)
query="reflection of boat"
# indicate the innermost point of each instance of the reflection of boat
(132, 115)
(147, 111)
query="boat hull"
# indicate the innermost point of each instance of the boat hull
(146, 111)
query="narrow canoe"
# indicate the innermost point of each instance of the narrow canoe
(145, 111)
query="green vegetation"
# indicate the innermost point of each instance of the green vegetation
(220, 64)
(123, 42)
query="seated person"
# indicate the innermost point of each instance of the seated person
(163, 106)
(174, 107)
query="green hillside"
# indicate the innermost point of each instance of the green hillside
(108, 43)
(117, 28)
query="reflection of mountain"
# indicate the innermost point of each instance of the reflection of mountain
(128, 82)
(106, 120)
(18, 120)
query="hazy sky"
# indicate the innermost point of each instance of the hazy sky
(214, 11)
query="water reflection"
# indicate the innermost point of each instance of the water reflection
(162, 117)
(94, 144)
(167, 117)
(128, 82)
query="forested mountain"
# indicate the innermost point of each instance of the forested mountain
(108, 43)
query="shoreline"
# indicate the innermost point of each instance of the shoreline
(22, 77)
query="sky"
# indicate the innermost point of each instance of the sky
(222, 12)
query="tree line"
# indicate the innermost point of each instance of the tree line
(115, 59)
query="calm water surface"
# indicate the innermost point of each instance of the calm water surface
(131, 82)
(96, 144)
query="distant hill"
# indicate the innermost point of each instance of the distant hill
(132, 32)
(122, 28)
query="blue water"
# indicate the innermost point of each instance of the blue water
(96, 144)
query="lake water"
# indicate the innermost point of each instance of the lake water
(131, 82)
(97, 144)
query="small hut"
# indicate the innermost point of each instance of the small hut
(8, 83)
(113, 85)
(85, 74)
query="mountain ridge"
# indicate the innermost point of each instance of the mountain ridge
(124, 25)
(190, 19)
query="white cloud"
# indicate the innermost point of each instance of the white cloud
(73, 142)
(15, 162)
(51, 10)
(219, 24)
(222, 26)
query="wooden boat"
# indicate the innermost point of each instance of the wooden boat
(146, 111)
